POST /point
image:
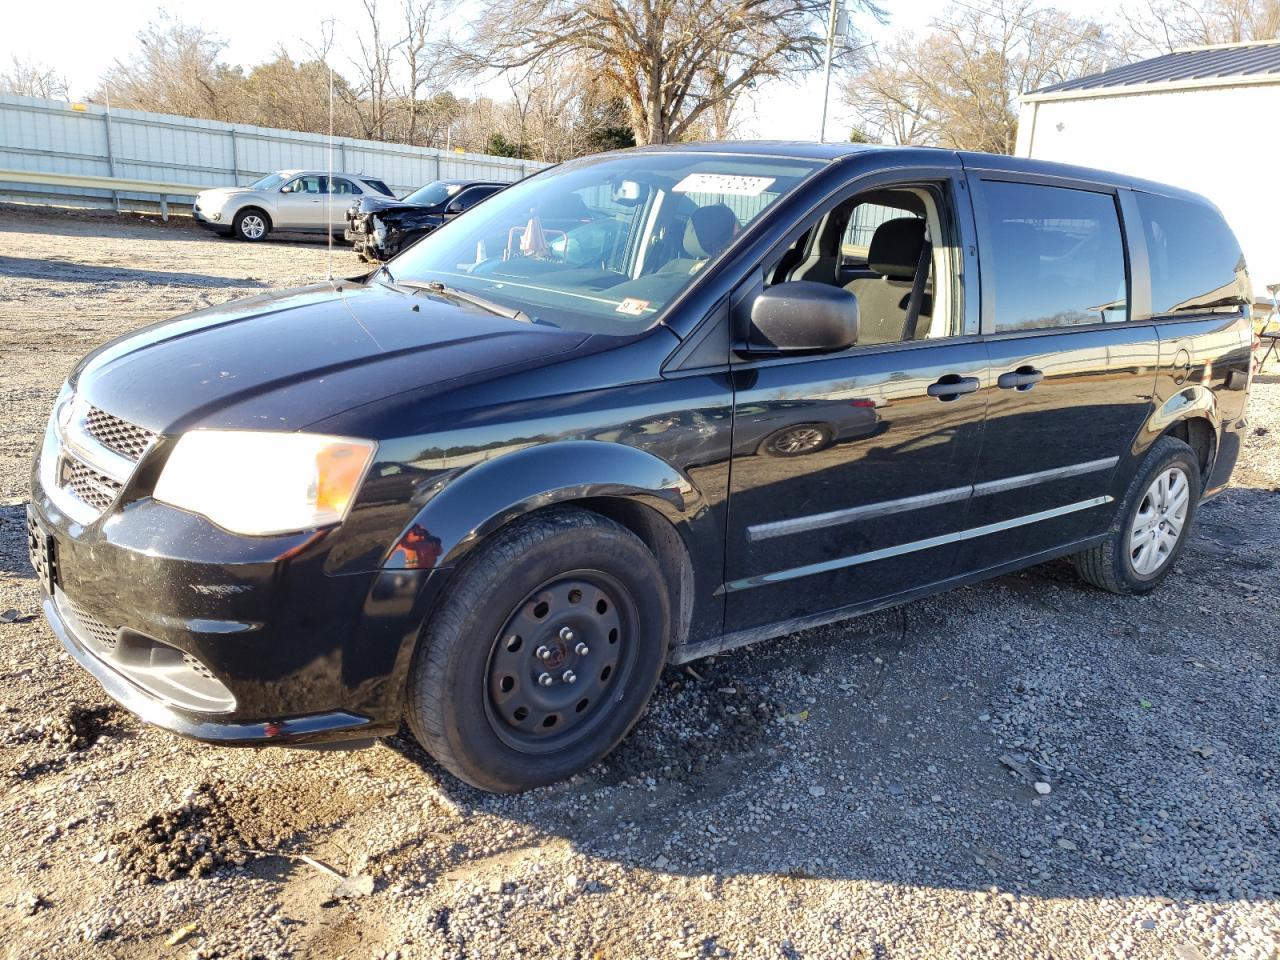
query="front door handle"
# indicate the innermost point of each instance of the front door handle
(951, 386)
(1024, 378)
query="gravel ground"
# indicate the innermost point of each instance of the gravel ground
(1025, 768)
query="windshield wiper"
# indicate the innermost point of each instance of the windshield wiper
(435, 286)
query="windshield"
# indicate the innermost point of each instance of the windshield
(434, 193)
(601, 245)
(266, 183)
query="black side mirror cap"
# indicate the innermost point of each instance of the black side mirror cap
(802, 316)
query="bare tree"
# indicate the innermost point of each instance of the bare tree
(670, 61)
(177, 69)
(958, 85)
(27, 78)
(371, 97)
(1165, 25)
(425, 70)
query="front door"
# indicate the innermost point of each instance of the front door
(852, 472)
(300, 203)
(1072, 378)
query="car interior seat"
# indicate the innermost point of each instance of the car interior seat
(707, 231)
(883, 300)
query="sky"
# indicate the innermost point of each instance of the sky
(96, 33)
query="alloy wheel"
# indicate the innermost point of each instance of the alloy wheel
(253, 226)
(1157, 526)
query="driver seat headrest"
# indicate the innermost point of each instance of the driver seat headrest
(895, 248)
(709, 231)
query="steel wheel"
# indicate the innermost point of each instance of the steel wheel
(556, 667)
(1158, 524)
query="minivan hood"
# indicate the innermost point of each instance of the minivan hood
(284, 360)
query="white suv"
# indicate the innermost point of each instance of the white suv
(296, 200)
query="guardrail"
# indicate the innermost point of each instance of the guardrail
(78, 181)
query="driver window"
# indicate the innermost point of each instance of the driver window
(890, 249)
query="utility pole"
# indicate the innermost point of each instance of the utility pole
(826, 72)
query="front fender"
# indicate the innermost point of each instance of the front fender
(490, 495)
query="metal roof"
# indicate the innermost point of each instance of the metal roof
(1252, 62)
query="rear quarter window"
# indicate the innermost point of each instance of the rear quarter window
(1195, 261)
(381, 187)
(1057, 256)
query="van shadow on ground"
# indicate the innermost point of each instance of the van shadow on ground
(904, 747)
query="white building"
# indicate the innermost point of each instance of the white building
(1206, 119)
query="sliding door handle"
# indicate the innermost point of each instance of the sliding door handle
(1024, 378)
(952, 386)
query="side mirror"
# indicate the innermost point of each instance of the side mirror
(454, 207)
(801, 316)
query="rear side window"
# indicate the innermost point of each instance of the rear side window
(381, 187)
(1057, 256)
(1195, 260)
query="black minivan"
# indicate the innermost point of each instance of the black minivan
(495, 485)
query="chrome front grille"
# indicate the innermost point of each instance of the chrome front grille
(88, 457)
(125, 438)
(87, 484)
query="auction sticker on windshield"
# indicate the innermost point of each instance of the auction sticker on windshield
(633, 306)
(724, 183)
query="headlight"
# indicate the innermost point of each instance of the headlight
(255, 482)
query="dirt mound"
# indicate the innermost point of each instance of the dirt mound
(79, 727)
(193, 839)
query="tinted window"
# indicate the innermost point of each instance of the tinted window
(1057, 256)
(469, 198)
(1195, 260)
(344, 186)
(381, 187)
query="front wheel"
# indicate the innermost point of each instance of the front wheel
(1152, 525)
(251, 225)
(543, 654)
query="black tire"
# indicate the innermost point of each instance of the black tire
(522, 581)
(251, 224)
(1110, 564)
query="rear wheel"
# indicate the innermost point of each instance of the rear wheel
(251, 224)
(1152, 525)
(543, 654)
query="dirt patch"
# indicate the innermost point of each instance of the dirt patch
(194, 839)
(78, 727)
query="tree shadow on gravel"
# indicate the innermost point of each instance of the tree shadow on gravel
(1030, 733)
(64, 271)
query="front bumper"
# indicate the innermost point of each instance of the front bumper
(229, 639)
(151, 709)
(205, 221)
